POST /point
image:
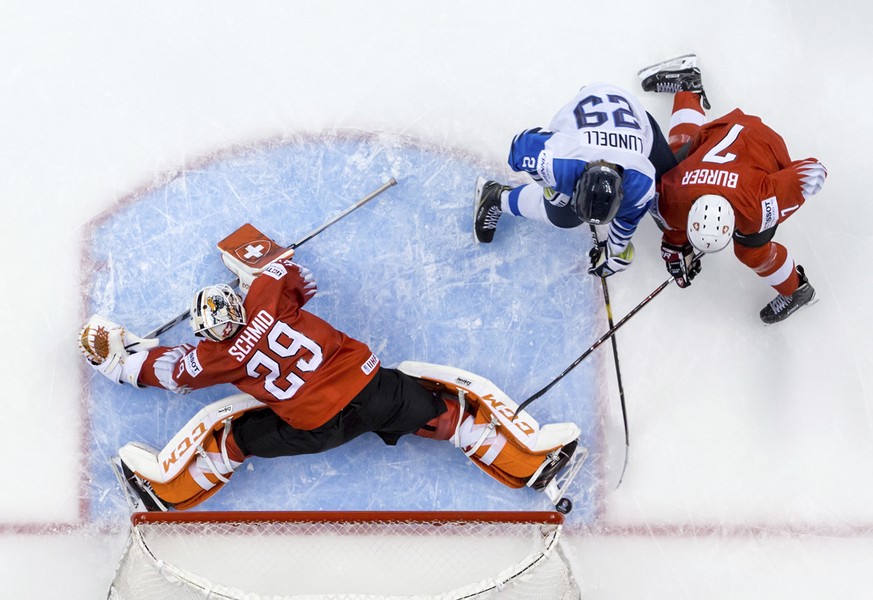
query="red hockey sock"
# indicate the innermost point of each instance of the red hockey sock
(686, 119)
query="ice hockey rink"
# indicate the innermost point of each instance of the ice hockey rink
(133, 136)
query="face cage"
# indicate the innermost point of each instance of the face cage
(198, 319)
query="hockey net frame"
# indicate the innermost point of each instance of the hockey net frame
(271, 556)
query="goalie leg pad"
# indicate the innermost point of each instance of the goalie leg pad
(197, 462)
(204, 476)
(508, 445)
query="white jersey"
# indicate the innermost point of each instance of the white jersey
(608, 118)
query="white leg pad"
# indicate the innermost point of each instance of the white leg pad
(166, 465)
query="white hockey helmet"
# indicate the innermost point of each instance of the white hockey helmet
(710, 223)
(217, 313)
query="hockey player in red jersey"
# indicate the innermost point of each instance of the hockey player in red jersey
(735, 181)
(307, 388)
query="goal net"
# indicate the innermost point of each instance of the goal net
(345, 556)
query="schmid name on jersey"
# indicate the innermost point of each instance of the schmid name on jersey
(250, 335)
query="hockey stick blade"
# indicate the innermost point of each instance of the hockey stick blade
(157, 332)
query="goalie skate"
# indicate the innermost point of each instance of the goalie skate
(137, 492)
(557, 473)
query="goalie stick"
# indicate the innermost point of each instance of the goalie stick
(183, 316)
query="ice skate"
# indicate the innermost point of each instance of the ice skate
(138, 492)
(782, 307)
(557, 473)
(487, 209)
(680, 74)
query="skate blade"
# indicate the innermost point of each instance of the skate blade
(133, 500)
(557, 487)
(686, 61)
(480, 183)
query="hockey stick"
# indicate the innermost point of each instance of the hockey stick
(609, 320)
(596, 344)
(182, 316)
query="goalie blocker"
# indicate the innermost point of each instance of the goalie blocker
(480, 420)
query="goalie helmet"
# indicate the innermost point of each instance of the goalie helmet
(597, 194)
(710, 223)
(217, 313)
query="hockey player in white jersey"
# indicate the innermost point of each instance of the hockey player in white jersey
(597, 163)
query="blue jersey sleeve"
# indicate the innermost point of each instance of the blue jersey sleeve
(526, 148)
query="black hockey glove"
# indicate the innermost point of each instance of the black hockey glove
(680, 263)
(603, 263)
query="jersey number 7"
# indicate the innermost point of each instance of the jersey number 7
(717, 153)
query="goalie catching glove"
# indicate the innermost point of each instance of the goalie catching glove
(605, 263)
(113, 351)
(680, 262)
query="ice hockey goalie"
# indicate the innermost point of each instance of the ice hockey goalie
(480, 420)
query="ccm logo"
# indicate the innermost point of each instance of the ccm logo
(190, 440)
(507, 412)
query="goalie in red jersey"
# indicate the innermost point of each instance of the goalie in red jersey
(307, 388)
(735, 181)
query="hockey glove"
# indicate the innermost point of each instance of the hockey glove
(112, 351)
(680, 263)
(604, 263)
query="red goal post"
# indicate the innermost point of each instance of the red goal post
(345, 556)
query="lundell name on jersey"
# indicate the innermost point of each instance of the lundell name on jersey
(626, 141)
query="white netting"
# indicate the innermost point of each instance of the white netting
(338, 559)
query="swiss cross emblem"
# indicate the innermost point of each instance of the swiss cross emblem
(252, 252)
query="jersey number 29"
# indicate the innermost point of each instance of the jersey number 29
(286, 343)
(622, 116)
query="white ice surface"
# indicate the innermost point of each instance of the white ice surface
(751, 470)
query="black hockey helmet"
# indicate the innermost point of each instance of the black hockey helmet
(597, 194)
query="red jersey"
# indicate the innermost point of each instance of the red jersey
(298, 364)
(741, 159)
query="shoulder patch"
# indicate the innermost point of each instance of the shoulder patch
(192, 364)
(545, 166)
(370, 365)
(769, 212)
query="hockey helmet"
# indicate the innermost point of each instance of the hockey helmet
(217, 313)
(598, 193)
(710, 223)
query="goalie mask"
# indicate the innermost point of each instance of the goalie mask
(598, 193)
(217, 313)
(710, 223)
